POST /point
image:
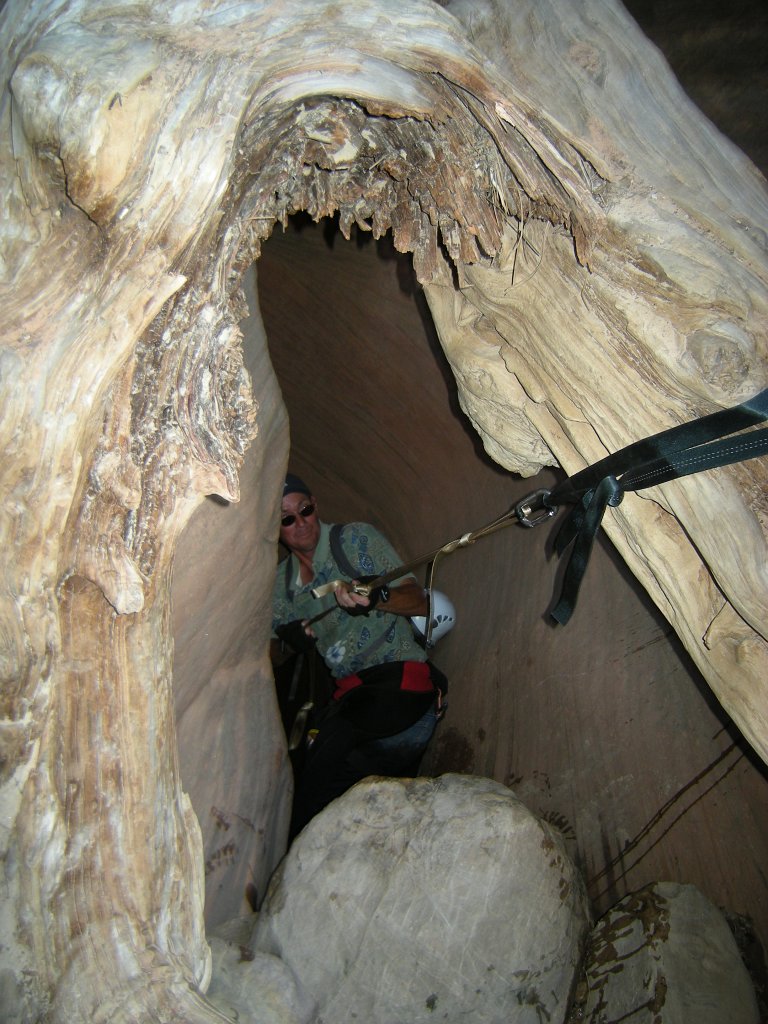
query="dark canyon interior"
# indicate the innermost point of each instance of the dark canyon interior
(604, 727)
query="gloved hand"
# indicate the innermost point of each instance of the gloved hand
(379, 595)
(292, 633)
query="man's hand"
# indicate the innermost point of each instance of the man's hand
(296, 635)
(360, 604)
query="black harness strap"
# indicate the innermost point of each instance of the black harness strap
(680, 451)
(337, 550)
(336, 534)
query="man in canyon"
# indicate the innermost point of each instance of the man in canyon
(387, 696)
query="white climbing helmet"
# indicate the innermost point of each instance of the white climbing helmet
(442, 617)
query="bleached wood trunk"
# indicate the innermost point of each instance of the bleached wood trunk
(144, 155)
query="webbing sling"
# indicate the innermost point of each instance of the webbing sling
(680, 451)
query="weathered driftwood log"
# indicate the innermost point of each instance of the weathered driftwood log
(610, 256)
(668, 322)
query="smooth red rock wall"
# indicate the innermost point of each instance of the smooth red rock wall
(603, 726)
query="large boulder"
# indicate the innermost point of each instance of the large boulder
(666, 955)
(417, 900)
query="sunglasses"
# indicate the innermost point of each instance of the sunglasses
(305, 513)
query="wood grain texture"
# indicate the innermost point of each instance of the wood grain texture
(145, 154)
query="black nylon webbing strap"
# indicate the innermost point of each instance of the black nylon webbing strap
(680, 451)
(675, 440)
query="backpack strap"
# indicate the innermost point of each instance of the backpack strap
(289, 578)
(343, 562)
(337, 550)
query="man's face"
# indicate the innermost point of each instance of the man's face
(303, 533)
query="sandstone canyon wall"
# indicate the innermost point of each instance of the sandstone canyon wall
(604, 727)
(581, 232)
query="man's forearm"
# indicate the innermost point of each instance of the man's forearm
(408, 598)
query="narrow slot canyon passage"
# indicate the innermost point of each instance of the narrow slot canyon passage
(604, 727)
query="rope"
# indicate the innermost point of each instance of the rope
(680, 451)
(506, 519)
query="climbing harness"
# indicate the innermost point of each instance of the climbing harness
(692, 447)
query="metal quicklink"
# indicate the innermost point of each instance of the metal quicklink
(535, 509)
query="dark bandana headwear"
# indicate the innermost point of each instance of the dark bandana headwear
(295, 485)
